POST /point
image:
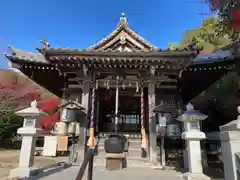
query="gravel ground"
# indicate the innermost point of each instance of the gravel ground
(9, 160)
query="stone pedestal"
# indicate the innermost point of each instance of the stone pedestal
(28, 132)
(194, 155)
(114, 162)
(230, 140)
(185, 159)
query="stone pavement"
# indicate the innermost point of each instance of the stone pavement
(133, 173)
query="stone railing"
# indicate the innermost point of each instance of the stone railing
(230, 140)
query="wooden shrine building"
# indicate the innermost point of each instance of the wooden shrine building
(119, 80)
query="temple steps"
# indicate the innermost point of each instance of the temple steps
(133, 156)
(133, 161)
(131, 152)
(130, 135)
(134, 143)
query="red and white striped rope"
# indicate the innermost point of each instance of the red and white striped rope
(92, 108)
(142, 109)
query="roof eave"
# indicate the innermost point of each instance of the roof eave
(21, 60)
(76, 52)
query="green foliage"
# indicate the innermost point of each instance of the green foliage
(226, 87)
(211, 36)
(9, 123)
(219, 93)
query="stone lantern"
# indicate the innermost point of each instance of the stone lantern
(71, 119)
(192, 135)
(29, 131)
(160, 110)
(72, 114)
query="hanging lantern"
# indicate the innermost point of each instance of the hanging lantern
(72, 128)
(123, 86)
(60, 128)
(108, 87)
(96, 84)
(77, 130)
(85, 70)
(137, 87)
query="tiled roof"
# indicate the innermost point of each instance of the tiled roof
(18, 54)
(216, 57)
(123, 25)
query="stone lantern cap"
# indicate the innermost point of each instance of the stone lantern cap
(32, 111)
(191, 115)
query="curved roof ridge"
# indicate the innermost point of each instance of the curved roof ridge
(22, 52)
(29, 56)
(123, 24)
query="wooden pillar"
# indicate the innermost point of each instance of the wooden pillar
(152, 124)
(81, 146)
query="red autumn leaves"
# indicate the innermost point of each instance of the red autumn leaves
(17, 92)
(16, 96)
(50, 106)
(235, 23)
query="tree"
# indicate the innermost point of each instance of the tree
(9, 123)
(210, 37)
(228, 12)
(13, 96)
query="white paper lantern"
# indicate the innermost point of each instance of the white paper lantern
(61, 128)
(77, 132)
(71, 127)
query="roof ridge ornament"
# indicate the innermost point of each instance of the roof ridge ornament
(45, 43)
(122, 25)
(123, 19)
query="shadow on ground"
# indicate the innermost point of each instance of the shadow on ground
(49, 170)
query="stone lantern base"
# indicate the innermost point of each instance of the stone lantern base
(191, 176)
(23, 172)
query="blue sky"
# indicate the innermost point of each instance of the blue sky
(79, 23)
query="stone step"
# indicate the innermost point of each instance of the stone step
(131, 161)
(132, 152)
(131, 141)
(130, 135)
(131, 146)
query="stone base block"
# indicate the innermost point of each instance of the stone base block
(191, 176)
(158, 167)
(23, 172)
(114, 162)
